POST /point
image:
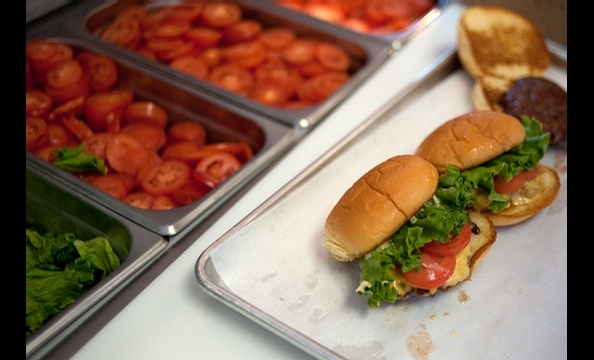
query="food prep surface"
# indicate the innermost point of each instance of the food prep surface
(300, 292)
(164, 313)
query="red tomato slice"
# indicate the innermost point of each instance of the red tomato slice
(38, 104)
(219, 164)
(452, 246)
(183, 13)
(435, 271)
(243, 30)
(147, 112)
(73, 107)
(36, 133)
(96, 145)
(207, 179)
(277, 72)
(204, 37)
(269, 94)
(321, 86)
(113, 184)
(311, 69)
(277, 38)
(192, 65)
(101, 72)
(77, 127)
(530, 174)
(326, 12)
(190, 192)
(212, 56)
(125, 154)
(189, 152)
(125, 32)
(332, 57)
(186, 131)
(163, 202)
(102, 109)
(149, 162)
(139, 199)
(241, 150)
(183, 49)
(221, 15)
(167, 30)
(166, 177)
(47, 153)
(60, 136)
(356, 24)
(300, 51)
(248, 54)
(150, 137)
(503, 186)
(232, 78)
(64, 74)
(66, 81)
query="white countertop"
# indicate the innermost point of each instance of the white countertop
(173, 318)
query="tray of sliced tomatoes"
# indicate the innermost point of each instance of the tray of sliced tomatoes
(392, 20)
(155, 152)
(248, 52)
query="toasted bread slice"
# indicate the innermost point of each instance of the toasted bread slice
(500, 43)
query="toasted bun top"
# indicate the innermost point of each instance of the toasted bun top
(471, 139)
(500, 43)
(378, 204)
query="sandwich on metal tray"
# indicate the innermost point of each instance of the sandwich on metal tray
(501, 158)
(411, 229)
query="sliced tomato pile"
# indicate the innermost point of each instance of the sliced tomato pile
(152, 162)
(364, 16)
(215, 42)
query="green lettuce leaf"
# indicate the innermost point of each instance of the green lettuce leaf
(75, 159)
(59, 270)
(523, 157)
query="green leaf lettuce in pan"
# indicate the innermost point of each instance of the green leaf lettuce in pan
(59, 270)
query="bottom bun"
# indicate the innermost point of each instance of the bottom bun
(479, 100)
(483, 236)
(548, 185)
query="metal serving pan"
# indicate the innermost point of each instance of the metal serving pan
(397, 38)
(223, 122)
(367, 54)
(289, 284)
(51, 207)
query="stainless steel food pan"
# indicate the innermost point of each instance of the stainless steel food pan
(367, 54)
(51, 207)
(224, 122)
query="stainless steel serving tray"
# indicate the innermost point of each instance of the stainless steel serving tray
(367, 54)
(53, 208)
(224, 123)
(395, 39)
(272, 267)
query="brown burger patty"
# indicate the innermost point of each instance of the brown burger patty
(542, 99)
